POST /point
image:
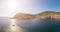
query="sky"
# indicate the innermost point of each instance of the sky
(9, 8)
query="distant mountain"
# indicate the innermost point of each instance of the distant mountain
(42, 15)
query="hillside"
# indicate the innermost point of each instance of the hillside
(42, 15)
(21, 16)
(47, 14)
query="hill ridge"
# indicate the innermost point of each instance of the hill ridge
(43, 15)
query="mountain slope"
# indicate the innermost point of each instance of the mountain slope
(43, 15)
(47, 14)
(21, 16)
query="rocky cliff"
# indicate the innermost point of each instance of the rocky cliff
(21, 16)
(42, 15)
(47, 14)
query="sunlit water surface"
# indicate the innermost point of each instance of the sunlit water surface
(32, 25)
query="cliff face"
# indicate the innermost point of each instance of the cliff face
(47, 14)
(43, 15)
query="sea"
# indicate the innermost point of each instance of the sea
(29, 25)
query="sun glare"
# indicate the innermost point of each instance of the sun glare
(12, 5)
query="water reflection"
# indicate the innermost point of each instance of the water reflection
(32, 25)
(13, 27)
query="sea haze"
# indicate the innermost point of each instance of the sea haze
(32, 25)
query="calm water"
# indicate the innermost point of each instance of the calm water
(32, 25)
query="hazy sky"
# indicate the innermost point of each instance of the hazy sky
(11, 7)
